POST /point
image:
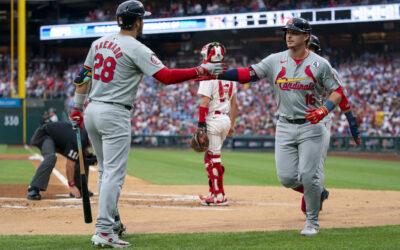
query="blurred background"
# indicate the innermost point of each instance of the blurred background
(360, 38)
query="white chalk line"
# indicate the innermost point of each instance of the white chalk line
(190, 207)
(55, 171)
(161, 198)
(39, 208)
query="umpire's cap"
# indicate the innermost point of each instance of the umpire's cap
(128, 12)
(298, 24)
(314, 44)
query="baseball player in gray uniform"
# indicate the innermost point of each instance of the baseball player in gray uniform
(115, 66)
(300, 79)
(315, 46)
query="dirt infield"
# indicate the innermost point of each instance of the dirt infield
(148, 208)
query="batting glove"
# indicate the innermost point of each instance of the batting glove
(213, 69)
(353, 127)
(76, 116)
(316, 115)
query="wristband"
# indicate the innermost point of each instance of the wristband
(201, 124)
(71, 183)
(79, 100)
(329, 105)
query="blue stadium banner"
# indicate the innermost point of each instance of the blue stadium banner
(349, 14)
(10, 103)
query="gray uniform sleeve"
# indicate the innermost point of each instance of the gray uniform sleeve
(328, 78)
(147, 61)
(336, 74)
(264, 68)
(89, 58)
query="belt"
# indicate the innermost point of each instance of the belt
(295, 121)
(115, 103)
(217, 112)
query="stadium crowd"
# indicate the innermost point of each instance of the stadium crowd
(179, 8)
(372, 82)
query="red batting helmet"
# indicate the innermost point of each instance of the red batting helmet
(213, 52)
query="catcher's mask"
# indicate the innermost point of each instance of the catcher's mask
(213, 52)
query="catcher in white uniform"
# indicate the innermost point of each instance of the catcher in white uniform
(217, 115)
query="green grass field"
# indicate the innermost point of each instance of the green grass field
(16, 171)
(4, 149)
(184, 167)
(355, 238)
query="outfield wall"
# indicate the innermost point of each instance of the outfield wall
(12, 118)
(267, 143)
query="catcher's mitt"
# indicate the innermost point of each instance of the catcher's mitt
(199, 141)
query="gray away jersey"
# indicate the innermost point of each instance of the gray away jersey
(118, 63)
(297, 87)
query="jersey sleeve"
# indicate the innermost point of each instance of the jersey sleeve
(89, 58)
(336, 74)
(147, 61)
(264, 68)
(205, 88)
(328, 78)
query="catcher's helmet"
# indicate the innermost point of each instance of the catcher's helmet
(214, 52)
(298, 24)
(314, 44)
(128, 12)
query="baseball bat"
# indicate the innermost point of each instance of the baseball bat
(87, 211)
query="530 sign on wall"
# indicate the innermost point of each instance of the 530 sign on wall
(11, 120)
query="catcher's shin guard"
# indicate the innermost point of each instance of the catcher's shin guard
(208, 163)
(215, 173)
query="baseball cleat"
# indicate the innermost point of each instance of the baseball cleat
(33, 194)
(212, 201)
(309, 230)
(109, 240)
(324, 196)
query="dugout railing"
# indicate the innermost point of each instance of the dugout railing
(267, 143)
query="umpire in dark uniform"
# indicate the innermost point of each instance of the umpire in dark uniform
(59, 137)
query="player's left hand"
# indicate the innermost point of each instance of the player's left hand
(74, 191)
(316, 115)
(76, 116)
(199, 141)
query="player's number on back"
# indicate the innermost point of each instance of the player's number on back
(310, 99)
(106, 68)
(73, 154)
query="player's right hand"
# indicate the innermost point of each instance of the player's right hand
(213, 69)
(76, 116)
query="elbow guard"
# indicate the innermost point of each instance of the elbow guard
(84, 76)
(344, 103)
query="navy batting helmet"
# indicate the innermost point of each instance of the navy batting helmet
(128, 12)
(298, 24)
(314, 44)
